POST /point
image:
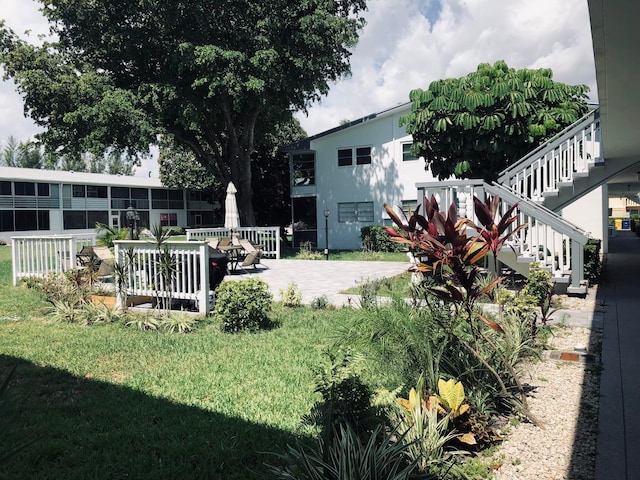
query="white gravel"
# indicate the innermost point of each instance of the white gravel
(565, 399)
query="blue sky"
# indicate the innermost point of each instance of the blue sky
(405, 45)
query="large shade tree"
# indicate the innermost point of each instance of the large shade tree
(120, 72)
(269, 171)
(477, 125)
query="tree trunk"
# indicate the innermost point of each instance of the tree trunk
(241, 178)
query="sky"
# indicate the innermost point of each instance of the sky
(406, 44)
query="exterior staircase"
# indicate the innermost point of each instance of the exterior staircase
(543, 182)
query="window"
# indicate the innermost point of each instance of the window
(96, 191)
(304, 169)
(43, 190)
(25, 189)
(169, 219)
(355, 212)
(94, 217)
(176, 199)
(406, 152)
(345, 157)
(26, 220)
(74, 219)
(161, 199)
(363, 155)
(43, 220)
(6, 221)
(119, 192)
(79, 191)
(5, 188)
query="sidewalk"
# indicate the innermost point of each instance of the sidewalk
(618, 454)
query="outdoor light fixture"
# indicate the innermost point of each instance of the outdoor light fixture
(132, 219)
(326, 233)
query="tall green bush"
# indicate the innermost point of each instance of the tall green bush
(592, 262)
(375, 239)
(243, 305)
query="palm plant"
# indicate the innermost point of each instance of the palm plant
(107, 234)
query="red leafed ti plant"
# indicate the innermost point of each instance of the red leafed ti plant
(442, 247)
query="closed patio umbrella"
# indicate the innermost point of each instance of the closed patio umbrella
(231, 215)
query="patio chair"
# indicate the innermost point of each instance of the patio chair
(213, 242)
(96, 257)
(252, 256)
(224, 242)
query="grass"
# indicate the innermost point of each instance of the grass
(113, 402)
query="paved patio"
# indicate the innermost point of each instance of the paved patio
(315, 278)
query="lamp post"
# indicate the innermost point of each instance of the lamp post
(326, 233)
(132, 218)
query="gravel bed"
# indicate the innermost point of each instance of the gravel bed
(564, 398)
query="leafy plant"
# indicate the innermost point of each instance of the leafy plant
(445, 249)
(592, 261)
(243, 305)
(348, 457)
(178, 323)
(142, 321)
(291, 296)
(375, 239)
(307, 252)
(425, 435)
(346, 399)
(320, 303)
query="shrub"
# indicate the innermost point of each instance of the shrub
(592, 263)
(307, 252)
(375, 239)
(320, 302)
(243, 305)
(2, 242)
(347, 456)
(291, 296)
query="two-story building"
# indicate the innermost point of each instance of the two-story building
(45, 202)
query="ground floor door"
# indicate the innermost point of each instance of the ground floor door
(305, 227)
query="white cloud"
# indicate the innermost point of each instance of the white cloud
(545, 33)
(400, 49)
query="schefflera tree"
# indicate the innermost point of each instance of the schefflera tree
(442, 247)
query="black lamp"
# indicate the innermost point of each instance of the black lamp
(326, 233)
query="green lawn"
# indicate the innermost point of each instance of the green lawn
(113, 402)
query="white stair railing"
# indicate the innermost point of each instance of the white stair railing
(556, 163)
(548, 239)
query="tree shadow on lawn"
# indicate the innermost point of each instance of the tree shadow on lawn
(92, 429)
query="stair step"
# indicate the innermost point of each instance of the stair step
(550, 193)
(564, 184)
(580, 174)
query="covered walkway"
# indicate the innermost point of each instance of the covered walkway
(618, 453)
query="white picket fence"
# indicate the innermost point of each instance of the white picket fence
(37, 256)
(188, 281)
(267, 237)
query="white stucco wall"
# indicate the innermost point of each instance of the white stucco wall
(386, 180)
(588, 212)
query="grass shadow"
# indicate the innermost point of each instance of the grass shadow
(93, 429)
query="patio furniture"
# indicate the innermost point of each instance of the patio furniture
(252, 254)
(98, 258)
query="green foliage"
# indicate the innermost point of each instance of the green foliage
(475, 126)
(375, 239)
(307, 252)
(291, 296)
(107, 234)
(369, 291)
(320, 303)
(425, 435)
(178, 323)
(592, 261)
(143, 321)
(347, 457)
(243, 305)
(346, 399)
